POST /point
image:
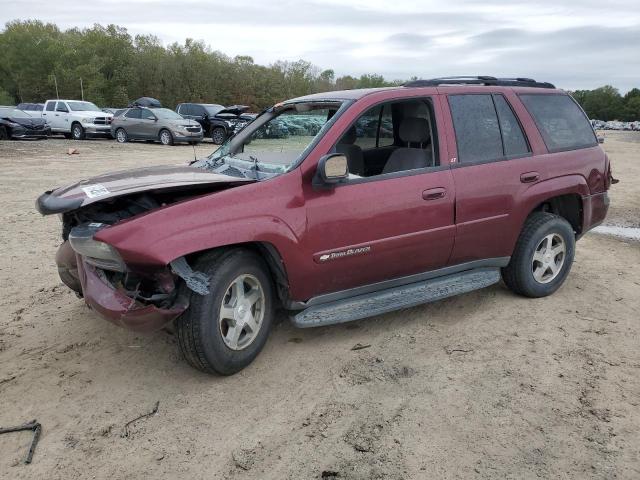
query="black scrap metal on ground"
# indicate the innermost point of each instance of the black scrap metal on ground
(35, 427)
(144, 415)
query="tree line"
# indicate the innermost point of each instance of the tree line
(116, 68)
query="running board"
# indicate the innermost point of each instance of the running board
(396, 298)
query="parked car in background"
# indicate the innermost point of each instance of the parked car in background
(30, 107)
(158, 124)
(458, 182)
(77, 119)
(16, 123)
(217, 122)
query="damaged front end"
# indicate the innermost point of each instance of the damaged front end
(138, 299)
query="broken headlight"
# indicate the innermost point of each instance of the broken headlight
(98, 254)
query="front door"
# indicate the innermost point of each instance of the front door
(394, 219)
(61, 118)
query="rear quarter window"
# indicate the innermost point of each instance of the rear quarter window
(561, 122)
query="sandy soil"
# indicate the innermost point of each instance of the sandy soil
(485, 385)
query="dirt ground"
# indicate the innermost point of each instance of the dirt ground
(485, 385)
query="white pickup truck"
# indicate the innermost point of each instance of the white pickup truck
(77, 119)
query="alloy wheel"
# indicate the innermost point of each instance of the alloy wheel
(165, 138)
(548, 258)
(241, 312)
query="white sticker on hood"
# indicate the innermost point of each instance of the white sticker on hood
(94, 191)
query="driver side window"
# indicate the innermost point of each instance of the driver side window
(146, 114)
(391, 137)
(61, 107)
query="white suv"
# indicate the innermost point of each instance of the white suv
(77, 119)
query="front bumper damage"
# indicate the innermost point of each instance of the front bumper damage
(111, 300)
(120, 309)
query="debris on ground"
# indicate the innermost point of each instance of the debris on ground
(73, 151)
(35, 427)
(144, 415)
(360, 346)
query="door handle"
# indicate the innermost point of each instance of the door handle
(529, 177)
(434, 193)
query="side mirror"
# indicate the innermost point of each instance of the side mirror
(332, 169)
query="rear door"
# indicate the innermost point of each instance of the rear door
(492, 167)
(49, 113)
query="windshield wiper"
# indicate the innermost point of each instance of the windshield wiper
(255, 167)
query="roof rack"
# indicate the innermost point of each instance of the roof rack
(480, 80)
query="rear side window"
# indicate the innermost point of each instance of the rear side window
(561, 122)
(51, 106)
(476, 125)
(514, 141)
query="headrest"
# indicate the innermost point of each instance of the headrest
(349, 137)
(414, 130)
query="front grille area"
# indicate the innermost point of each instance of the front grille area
(193, 129)
(102, 121)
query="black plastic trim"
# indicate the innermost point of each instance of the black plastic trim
(48, 204)
(496, 262)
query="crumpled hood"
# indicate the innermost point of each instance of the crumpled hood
(28, 122)
(117, 184)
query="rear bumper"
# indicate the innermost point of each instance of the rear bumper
(594, 210)
(116, 307)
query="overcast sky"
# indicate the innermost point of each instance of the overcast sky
(572, 43)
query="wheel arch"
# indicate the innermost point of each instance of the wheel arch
(562, 196)
(268, 252)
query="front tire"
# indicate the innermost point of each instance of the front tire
(77, 132)
(121, 136)
(218, 135)
(165, 137)
(224, 331)
(542, 257)
(4, 135)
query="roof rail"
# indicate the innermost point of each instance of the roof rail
(480, 80)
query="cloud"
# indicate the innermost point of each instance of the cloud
(574, 44)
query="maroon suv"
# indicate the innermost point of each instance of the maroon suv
(361, 202)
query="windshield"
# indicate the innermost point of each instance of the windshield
(14, 112)
(276, 140)
(166, 114)
(83, 107)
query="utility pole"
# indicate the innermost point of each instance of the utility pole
(56, 82)
(81, 89)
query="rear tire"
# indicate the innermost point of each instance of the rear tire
(224, 331)
(542, 257)
(4, 135)
(165, 137)
(77, 132)
(121, 136)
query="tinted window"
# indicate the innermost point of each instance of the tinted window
(51, 106)
(146, 114)
(197, 110)
(133, 113)
(561, 122)
(186, 109)
(476, 126)
(61, 107)
(514, 140)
